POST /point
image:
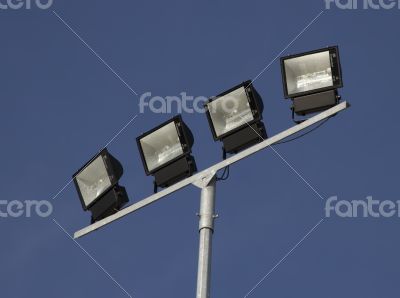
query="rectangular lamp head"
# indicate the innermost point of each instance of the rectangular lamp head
(97, 177)
(233, 110)
(311, 72)
(111, 202)
(245, 138)
(165, 144)
(313, 103)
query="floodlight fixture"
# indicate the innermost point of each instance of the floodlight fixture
(311, 80)
(97, 185)
(235, 117)
(166, 152)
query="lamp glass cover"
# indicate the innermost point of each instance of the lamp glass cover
(93, 180)
(161, 146)
(230, 111)
(307, 73)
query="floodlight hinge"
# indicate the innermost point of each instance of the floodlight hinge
(205, 179)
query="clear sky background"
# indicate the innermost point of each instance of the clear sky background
(60, 104)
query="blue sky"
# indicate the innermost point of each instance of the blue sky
(61, 104)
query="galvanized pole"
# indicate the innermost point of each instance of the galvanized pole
(206, 229)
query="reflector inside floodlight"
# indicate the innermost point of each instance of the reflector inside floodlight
(230, 111)
(93, 180)
(161, 146)
(307, 73)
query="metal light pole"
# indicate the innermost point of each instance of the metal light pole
(206, 229)
(206, 181)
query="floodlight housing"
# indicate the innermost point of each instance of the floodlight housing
(311, 79)
(165, 151)
(235, 117)
(97, 185)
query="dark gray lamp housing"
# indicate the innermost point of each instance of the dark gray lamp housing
(165, 152)
(311, 80)
(97, 186)
(235, 117)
